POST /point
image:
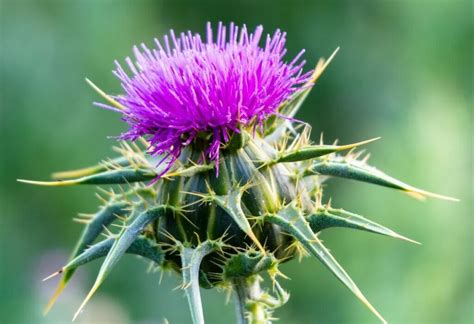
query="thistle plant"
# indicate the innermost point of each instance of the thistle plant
(215, 179)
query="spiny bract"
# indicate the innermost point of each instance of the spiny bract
(220, 183)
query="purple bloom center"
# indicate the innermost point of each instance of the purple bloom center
(187, 86)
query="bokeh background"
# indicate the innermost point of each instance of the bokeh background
(404, 72)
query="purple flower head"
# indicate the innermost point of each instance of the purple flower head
(187, 87)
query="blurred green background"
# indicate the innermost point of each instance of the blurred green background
(404, 73)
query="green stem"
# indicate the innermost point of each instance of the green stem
(249, 308)
(239, 293)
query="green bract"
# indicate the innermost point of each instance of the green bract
(264, 208)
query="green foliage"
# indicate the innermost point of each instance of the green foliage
(328, 217)
(263, 209)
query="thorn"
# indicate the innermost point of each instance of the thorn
(73, 173)
(88, 297)
(81, 220)
(369, 306)
(403, 238)
(86, 215)
(137, 149)
(125, 195)
(354, 145)
(121, 218)
(53, 275)
(48, 183)
(350, 155)
(105, 192)
(366, 158)
(121, 226)
(180, 286)
(162, 272)
(144, 142)
(321, 66)
(111, 100)
(117, 149)
(418, 192)
(53, 299)
(102, 199)
(358, 154)
(108, 232)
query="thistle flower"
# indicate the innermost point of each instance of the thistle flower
(190, 87)
(223, 105)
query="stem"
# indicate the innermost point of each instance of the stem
(239, 290)
(191, 261)
(248, 307)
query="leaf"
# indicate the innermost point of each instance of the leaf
(121, 245)
(142, 246)
(231, 203)
(358, 170)
(123, 176)
(148, 249)
(191, 261)
(90, 233)
(329, 217)
(292, 221)
(101, 167)
(314, 151)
